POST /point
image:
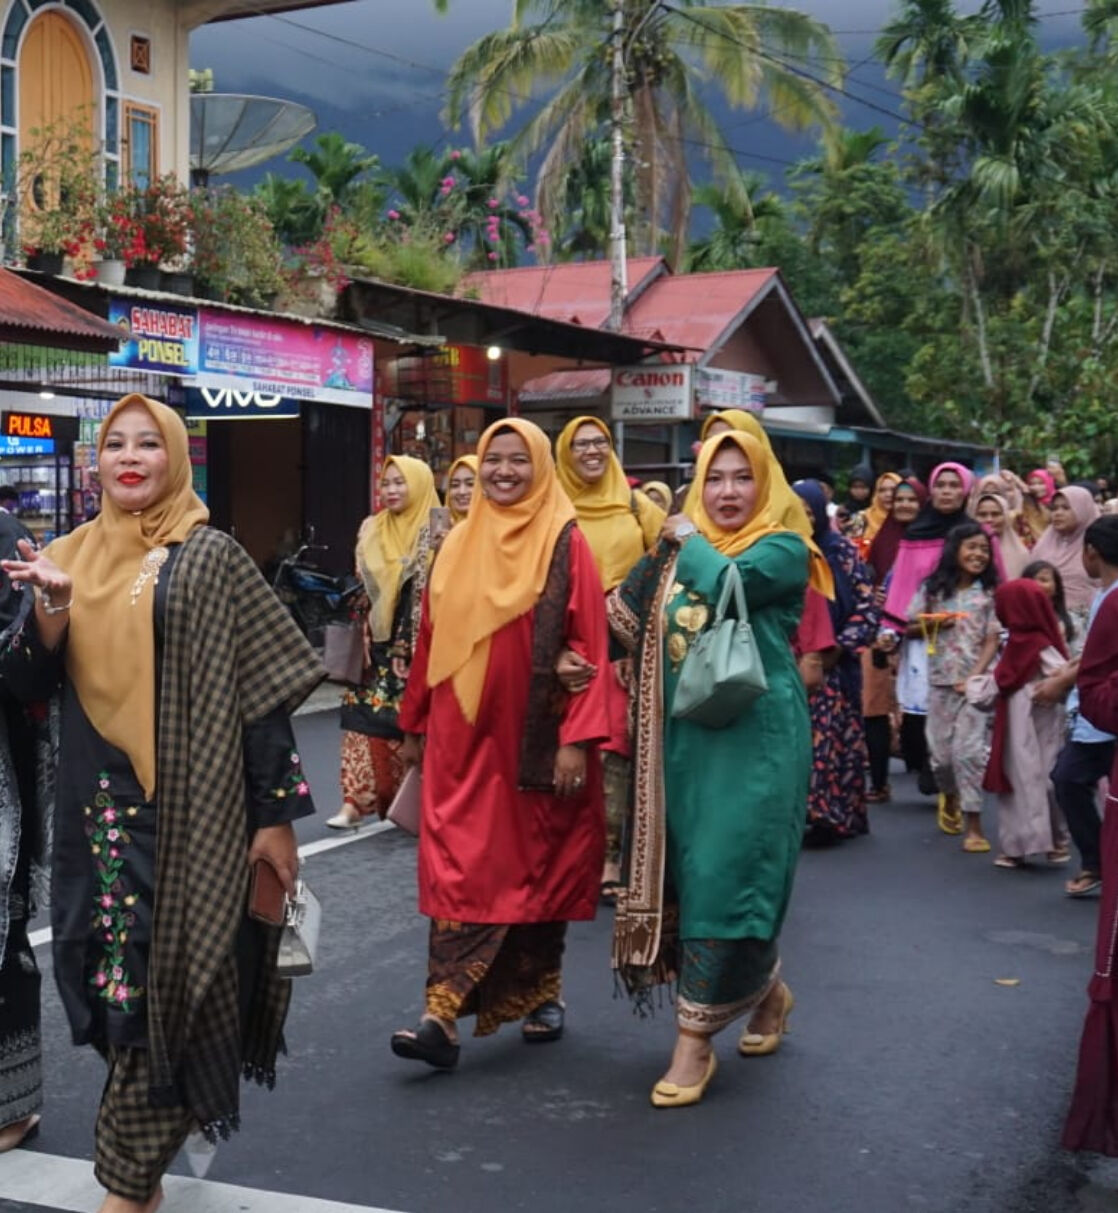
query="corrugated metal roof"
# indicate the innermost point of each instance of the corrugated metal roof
(45, 318)
(567, 385)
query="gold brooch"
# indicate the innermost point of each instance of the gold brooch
(149, 571)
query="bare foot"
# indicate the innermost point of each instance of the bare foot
(13, 1135)
(689, 1060)
(765, 1020)
(120, 1204)
(449, 1027)
(611, 873)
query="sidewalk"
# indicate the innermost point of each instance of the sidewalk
(324, 698)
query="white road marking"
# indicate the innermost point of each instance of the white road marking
(43, 935)
(68, 1183)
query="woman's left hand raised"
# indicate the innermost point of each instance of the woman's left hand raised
(276, 845)
(570, 771)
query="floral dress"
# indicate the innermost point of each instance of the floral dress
(105, 848)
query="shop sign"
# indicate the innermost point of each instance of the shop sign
(279, 358)
(223, 403)
(26, 446)
(719, 389)
(38, 427)
(455, 374)
(651, 393)
(161, 339)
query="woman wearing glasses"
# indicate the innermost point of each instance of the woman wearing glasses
(620, 524)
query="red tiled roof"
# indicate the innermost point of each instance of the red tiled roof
(30, 311)
(690, 310)
(570, 385)
(576, 291)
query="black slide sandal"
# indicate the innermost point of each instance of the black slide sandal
(429, 1043)
(549, 1018)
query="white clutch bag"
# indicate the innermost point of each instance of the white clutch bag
(299, 941)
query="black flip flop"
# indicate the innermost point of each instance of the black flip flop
(429, 1043)
(549, 1016)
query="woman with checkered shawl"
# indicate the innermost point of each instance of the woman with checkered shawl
(177, 770)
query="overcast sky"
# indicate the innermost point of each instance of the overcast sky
(375, 69)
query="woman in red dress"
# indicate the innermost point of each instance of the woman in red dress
(512, 834)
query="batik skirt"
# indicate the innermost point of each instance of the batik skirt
(836, 806)
(21, 1077)
(721, 980)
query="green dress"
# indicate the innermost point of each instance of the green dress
(717, 815)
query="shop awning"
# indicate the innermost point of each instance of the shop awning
(32, 315)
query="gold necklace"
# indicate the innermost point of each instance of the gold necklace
(153, 561)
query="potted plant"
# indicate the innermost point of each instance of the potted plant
(236, 256)
(162, 226)
(116, 227)
(56, 181)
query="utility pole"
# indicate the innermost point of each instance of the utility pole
(619, 278)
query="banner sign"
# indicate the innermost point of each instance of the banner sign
(455, 374)
(651, 393)
(26, 446)
(223, 403)
(38, 426)
(718, 389)
(158, 338)
(279, 358)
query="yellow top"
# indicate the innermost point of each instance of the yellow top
(110, 649)
(468, 461)
(619, 525)
(492, 569)
(386, 542)
(764, 520)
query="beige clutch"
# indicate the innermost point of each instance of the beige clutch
(406, 809)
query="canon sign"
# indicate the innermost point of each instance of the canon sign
(651, 393)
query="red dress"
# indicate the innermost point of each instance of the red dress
(489, 852)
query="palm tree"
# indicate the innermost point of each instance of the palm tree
(743, 217)
(583, 205)
(929, 42)
(563, 47)
(337, 166)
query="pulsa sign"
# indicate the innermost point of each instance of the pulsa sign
(223, 403)
(38, 427)
(651, 393)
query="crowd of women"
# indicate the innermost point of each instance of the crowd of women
(538, 655)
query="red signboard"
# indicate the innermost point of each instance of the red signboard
(455, 374)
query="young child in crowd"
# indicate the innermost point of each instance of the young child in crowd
(1028, 733)
(954, 611)
(1047, 576)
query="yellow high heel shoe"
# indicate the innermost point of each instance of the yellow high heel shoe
(670, 1095)
(756, 1044)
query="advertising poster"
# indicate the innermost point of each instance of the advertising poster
(159, 338)
(279, 358)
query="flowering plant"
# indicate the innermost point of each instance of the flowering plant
(235, 251)
(116, 227)
(56, 182)
(161, 222)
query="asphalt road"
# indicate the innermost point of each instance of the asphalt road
(911, 1079)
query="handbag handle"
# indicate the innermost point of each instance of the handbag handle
(731, 588)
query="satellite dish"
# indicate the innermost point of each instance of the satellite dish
(231, 131)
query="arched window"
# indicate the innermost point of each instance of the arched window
(57, 60)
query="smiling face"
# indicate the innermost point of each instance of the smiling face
(506, 469)
(974, 555)
(394, 490)
(1063, 520)
(885, 495)
(590, 449)
(729, 491)
(906, 505)
(461, 488)
(1037, 486)
(133, 464)
(1046, 579)
(991, 513)
(948, 492)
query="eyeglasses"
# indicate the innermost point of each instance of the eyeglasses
(582, 445)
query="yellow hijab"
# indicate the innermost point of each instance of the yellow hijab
(786, 506)
(386, 542)
(110, 649)
(492, 569)
(875, 514)
(463, 461)
(658, 486)
(605, 510)
(764, 520)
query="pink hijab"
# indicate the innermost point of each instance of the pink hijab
(1049, 481)
(1066, 551)
(1011, 554)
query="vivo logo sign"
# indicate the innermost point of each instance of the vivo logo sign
(227, 398)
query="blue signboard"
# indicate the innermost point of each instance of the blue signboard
(158, 338)
(225, 403)
(26, 446)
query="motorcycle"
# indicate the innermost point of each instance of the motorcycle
(314, 598)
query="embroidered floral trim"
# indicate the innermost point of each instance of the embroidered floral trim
(295, 783)
(112, 915)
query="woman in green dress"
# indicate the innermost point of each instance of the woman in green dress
(717, 818)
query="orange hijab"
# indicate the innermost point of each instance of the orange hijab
(492, 569)
(463, 461)
(763, 521)
(875, 514)
(110, 648)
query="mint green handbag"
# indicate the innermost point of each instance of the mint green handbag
(722, 673)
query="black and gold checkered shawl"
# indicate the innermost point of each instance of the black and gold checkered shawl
(231, 654)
